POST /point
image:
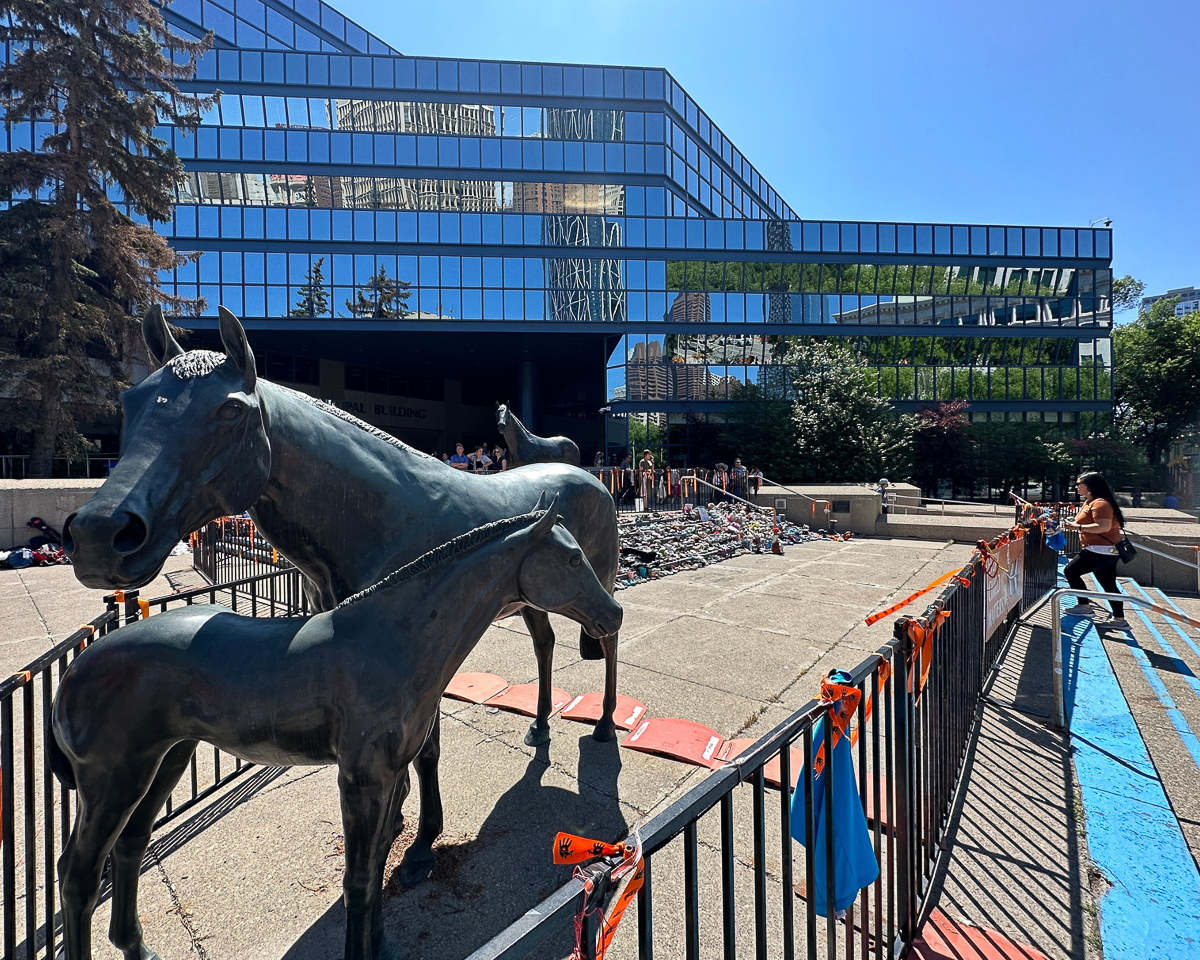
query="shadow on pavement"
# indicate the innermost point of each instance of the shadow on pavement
(484, 881)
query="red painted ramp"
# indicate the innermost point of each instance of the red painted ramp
(943, 938)
(523, 699)
(678, 739)
(474, 687)
(587, 708)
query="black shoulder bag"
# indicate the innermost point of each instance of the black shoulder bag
(1125, 549)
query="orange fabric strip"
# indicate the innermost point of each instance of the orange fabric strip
(876, 617)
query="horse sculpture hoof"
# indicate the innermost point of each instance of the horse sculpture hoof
(537, 736)
(605, 731)
(415, 868)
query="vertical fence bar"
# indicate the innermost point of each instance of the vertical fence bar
(785, 830)
(810, 871)
(830, 826)
(645, 914)
(48, 864)
(902, 787)
(691, 892)
(8, 828)
(760, 866)
(728, 894)
(28, 748)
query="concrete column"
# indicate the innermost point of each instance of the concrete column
(528, 389)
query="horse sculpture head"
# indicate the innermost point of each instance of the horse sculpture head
(502, 417)
(194, 446)
(555, 576)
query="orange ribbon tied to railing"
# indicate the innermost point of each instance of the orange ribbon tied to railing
(627, 878)
(845, 700)
(876, 617)
(570, 849)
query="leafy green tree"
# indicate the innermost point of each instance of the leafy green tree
(942, 447)
(762, 432)
(844, 431)
(646, 434)
(1126, 293)
(1012, 455)
(382, 298)
(1157, 379)
(312, 297)
(92, 78)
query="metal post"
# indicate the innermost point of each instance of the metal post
(1056, 635)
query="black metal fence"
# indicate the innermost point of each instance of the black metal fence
(918, 704)
(232, 548)
(669, 488)
(35, 812)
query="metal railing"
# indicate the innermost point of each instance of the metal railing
(232, 548)
(1061, 715)
(14, 466)
(32, 798)
(907, 750)
(670, 489)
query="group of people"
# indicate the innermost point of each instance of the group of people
(479, 461)
(652, 484)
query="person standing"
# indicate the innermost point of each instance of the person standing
(459, 461)
(645, 469)
(1099, 523)
(499, 458)
(480, 461)
(738, 477)
(883, 496)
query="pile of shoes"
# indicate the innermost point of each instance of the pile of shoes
(658, 545)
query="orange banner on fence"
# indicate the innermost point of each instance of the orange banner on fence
(876, 617)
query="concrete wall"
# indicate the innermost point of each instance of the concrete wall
(52, 500)
(863, 503)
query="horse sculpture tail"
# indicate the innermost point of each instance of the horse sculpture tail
(59, 763)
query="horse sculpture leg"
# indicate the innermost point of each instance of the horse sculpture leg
(538, 624)
(106, 799)
(606, 727)
(124, 929)
(418, 858)
(366, 793)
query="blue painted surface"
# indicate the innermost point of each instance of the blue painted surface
(1164, 601)
(1153, 908)
(1178, 720)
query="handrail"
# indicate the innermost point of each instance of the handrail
(1056, 619)
(796, 493)
(726, 493)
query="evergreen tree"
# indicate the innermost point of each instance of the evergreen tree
(93, 78)
(383, 297)
(313, 297)
(844, 431)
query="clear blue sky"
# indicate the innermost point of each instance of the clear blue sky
(1045, 112)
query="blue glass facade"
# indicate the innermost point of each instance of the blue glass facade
(569, 237)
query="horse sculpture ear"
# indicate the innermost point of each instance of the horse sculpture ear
(549, 518)
(237, 348)
(157, 334)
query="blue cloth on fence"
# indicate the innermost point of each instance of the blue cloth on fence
(854, 865)
(1057, 541)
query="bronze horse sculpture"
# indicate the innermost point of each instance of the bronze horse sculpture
(525, 448)
(357, 686)
(204, 436)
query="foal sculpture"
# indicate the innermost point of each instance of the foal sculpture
(204, 436)
(525, 448)
(357, 686)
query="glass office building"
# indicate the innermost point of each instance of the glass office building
(417, 239)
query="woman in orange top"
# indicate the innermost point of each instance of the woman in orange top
(1099, 523)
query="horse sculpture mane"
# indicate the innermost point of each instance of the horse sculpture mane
(448, 550)
(195, 363)
(341, 414)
